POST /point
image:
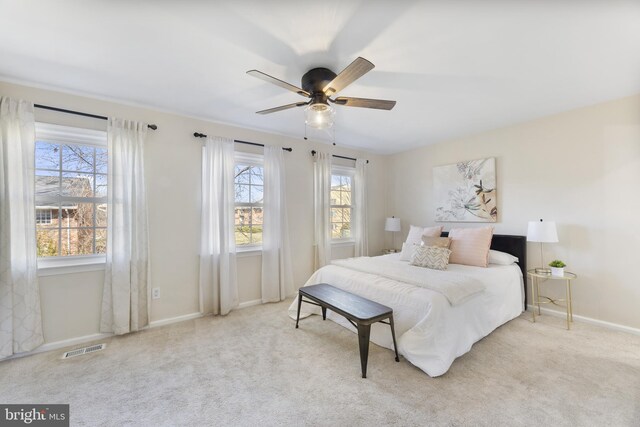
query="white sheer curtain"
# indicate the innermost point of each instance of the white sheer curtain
(126, 293)
(20, 318)
(218, 274)
(277, 276)
(322, 209)
(360, 233)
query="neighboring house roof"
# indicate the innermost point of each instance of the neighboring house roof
(48, 190)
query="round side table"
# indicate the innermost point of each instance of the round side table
(541, 299)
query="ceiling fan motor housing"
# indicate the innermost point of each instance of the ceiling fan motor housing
(315, 80)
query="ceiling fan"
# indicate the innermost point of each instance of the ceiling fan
(320, 85)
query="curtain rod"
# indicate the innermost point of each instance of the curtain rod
(202, 135)
(80, 113)
(313, 153)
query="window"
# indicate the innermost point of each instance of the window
(341, 203)
(43, 216)
(71, 191)
(249, 188)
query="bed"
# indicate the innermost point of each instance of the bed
(434, 324)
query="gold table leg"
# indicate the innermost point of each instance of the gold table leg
(534, 282)
(538, 295)
(568, 302)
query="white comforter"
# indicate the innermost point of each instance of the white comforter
(455, 287)
(431, 331)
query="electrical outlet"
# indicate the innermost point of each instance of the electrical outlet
(155, 293)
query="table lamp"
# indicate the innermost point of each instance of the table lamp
(392, 224)
(542, 232)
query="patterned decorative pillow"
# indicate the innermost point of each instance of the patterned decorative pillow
(441, 242)
(431, 257)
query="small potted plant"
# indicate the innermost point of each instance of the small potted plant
(557, 267)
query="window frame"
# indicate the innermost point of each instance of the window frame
(69, 135)
(249, 159)
(350, 172)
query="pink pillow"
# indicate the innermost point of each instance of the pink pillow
(470, 246)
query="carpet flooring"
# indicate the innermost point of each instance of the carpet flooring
(253, 368)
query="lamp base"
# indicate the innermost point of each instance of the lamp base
(542, 270)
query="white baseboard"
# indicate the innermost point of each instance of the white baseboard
(250, 303)
(56, 345)
(72, 341)
(176, 319)
(584, 319)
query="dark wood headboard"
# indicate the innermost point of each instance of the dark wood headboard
(514, 245)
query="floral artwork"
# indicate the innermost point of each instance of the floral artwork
(466, 191)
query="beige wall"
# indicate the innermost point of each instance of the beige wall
(71, 302)
(580, 168)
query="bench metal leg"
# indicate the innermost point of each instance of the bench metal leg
(393, 334)
(364, 332)
(324, 313)
(299, 304)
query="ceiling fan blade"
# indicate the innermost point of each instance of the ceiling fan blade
(278, 82)
(353, 72)
(378, 104)
(282, 107)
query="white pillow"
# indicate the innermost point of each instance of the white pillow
(407, 251)
(416, 233)
(501, 258)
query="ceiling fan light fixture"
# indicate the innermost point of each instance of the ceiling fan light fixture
(319, 115)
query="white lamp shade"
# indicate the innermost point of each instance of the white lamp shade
(542, 231)
(392, 224)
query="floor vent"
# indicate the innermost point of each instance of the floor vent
(84, 350)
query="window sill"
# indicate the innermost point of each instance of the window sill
(68, 265)
(248, 251)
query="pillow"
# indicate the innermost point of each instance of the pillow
(501, 258)
(431, 257)
(407, 251)
(416, 233)
(470, 246)
(441, 242)
(432, 231)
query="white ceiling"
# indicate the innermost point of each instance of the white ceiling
(455, 67)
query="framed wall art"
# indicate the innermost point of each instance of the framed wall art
(466, 191)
